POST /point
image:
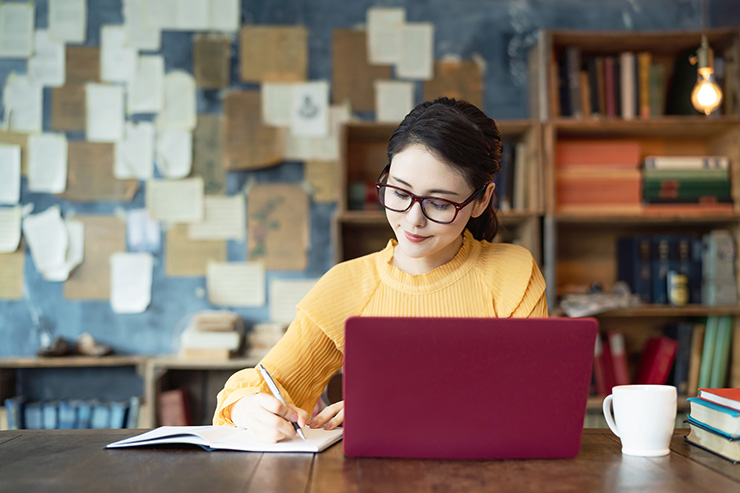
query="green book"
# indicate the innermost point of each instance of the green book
(696, 175)
(721, 357)
(707, 352)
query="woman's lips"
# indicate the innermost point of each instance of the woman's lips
(414, 238)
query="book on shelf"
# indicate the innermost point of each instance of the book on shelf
(634, 265)
(644, 60)
(603, 368)
(132, 415)
(49, 415)
(599, 153)
(686, 162)
(230, 438)
(663, 260)
(697, 344)
(728, 397)
(682, 333)
(100, 416)
(84, 415)
(214, 335)
(173, 408)
(67, 413)
(572, 71)
(719, 283)
(712, 440)
(33, 416)
(618, 357)
(657, 83)
(610, 89)
(15, 414)
(724, 419)
(721, 358)
(598, 187)
(707, 354)
(627, 84)
(656, 361)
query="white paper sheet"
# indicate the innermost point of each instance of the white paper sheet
(224, 219)
(310, 115)
(178, 111)
(10, 228)
(47, 163)
(105, 113)
(146, 88)
(236, 283)
(140, 35)
(68, 20)
(47, 66)
(117, 57)
(23, 101)
(16, 30)
(161, 14)
(393, 100)
(74, 255)
(327, 148)
(10, 174)
(416, 55)
(175, 201)
(130, 282)
(143, 233)
(174, 153)
(193, 15)
(383, 34)
(47, 238)
(277, 106)
(134, 155)
(225, 15)
(285, 295)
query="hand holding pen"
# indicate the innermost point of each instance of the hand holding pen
(276, 392)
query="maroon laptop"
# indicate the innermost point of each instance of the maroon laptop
(466, 388)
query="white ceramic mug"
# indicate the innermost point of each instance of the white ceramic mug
(644, 418)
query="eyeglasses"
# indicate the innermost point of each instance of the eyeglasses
(435, 209)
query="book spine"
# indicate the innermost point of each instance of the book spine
(657, 90)
(599, 369)
(643, 62)
(627, 73)
(720, 360)
(661, 251)
(15, 412)
(697, 344)
(609, 87)
(573, 63)
(682, 332)
(619, 358)
(676, 163)
(707, 355)
(663, 356)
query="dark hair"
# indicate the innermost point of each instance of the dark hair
(460, 134)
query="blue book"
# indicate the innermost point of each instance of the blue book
(696, 270)
(14, 407)
(67, 413)
(100, 419)
(49, 410)
(717, 417)
(118, 414)
(663, 261)
(33, 416)
(634, 265)
(84, 415)
(132, 417)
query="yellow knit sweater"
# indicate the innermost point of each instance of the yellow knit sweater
(482, 280)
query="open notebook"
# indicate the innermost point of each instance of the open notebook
(229, 438)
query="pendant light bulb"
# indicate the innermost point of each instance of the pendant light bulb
(706, 94)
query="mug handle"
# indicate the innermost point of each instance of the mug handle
(607, 407)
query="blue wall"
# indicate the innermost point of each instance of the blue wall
(500, 31)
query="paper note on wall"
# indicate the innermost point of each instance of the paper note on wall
(224, 219)
(83, 64)
(104, 236)
(117, 57)
(248, 143)
(310, 109)
(322, 178)
(175, 201)
(456, 79)
(278, 226)
(174, 153)
(74, 254)
(352, 73)
(321, 148)
(47, 163)
(211, 61)
(139, 34)
(236, 283)
(68, 108)
(394, 99)
(146, 87)
(273, 53)
(46, 67)
(178, 111)
(186, 257)
(383, 32)
(134, 155)
(90, 174)
(131, 282)
(208, 153)
(10, 174)
(10, 229)
(416, 57)
(16, 30)
(19, 139)
(104, 115)
(285, 295)
(23, 100)
(225, 15)
(68, 20)
(142, 232)
(276, 103)
(48, 239)
(11, 272)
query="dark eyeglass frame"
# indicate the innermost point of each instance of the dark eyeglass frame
(420, 199)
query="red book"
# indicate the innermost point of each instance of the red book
(173, 408)
(608, 365)
(597, 153)
(657, 360)
(619, 358)
(724, 397)
(611, 98)
(603, 374)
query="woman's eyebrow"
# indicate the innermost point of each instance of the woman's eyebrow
(434, 191)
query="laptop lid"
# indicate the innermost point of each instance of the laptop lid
(466, 388)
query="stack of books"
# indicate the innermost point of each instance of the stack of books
(263, 337)
(715, 422)
(213, 335)
(73, 414)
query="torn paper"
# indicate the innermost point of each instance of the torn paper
(178, 111)
(174, 153)
(134, 155)
(117, 58)
(130, 282)
(22, 99)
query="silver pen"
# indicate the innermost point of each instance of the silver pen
(276, 392)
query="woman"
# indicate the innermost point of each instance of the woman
(437, 191)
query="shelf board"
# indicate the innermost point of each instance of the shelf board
(670, 311)
(647, 218)
(176, 363)
(72, 361)
(595, 403)
(690, 126)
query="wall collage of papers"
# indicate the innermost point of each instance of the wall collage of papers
(118, 123)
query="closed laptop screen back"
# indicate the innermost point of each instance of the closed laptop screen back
(470, 388)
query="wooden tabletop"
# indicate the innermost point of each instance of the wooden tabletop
(75, 460)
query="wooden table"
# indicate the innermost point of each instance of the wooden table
(75, 460)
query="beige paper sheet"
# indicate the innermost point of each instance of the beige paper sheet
(104, 236)
(278, 229)
(456, 79)
(17, 139)
(68, 111)
(211, 63)
(273, 53)
(208, 153)
(83, 64)
(185, 257)
(90, 174)
(352, 74)
(322, 176)
(11, 272)
(249, 144)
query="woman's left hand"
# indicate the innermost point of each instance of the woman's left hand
(331, 417)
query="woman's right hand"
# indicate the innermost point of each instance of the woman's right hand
(266, 418)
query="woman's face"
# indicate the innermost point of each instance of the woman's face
(424, 245)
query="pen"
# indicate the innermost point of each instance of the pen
(276, 392)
